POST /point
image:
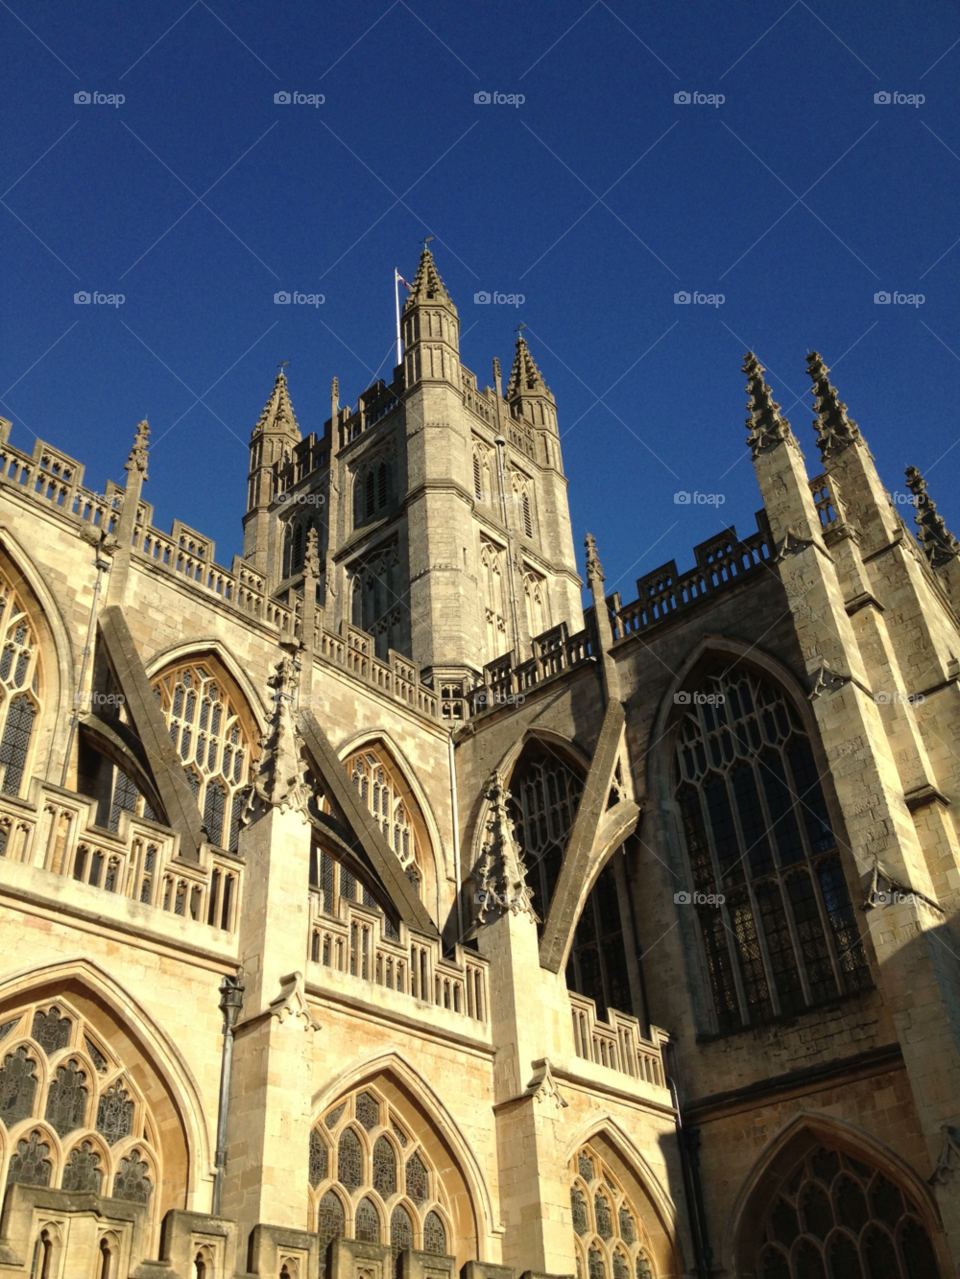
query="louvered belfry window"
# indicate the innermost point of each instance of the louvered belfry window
(785, 935)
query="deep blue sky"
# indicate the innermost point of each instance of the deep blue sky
(330, 199)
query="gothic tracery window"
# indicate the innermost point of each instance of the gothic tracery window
(609, 1237)
(214, 745)
(494, 592)
(389, 801)
(20, 689)
(535, 596)
(758, 836)
(380, 603)
(81, 1094)
(837, 1215)
(375, 1186)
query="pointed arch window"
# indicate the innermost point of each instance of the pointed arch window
(391, 1191)
(535, 596)
(493, 586)
(20, 689)
(380, 598)
(609, 1237)
(776, 921)
(837, 1215)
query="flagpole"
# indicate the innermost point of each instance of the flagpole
(396, 299)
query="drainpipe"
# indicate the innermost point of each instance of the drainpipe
(231, 1001)
(456, 834)
(688, 1143)
(102, 566)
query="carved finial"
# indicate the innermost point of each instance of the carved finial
(938, 543)
(335, 393)
(766, 424)
(137, 461)
(279, 771)
(311, 558)
(500, 871)
(835, 430)
(525, 377)
(595, 578)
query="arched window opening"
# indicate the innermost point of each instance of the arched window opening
(545, 797)
(477, 478)
(296, 553)
(837, 1215)
(535, 596)
(494, 592)
(380, 599)
(214, 744)
(776, 921)
(106, 1259)
(383, 485)
(527, 513)
(20, 690)
(610, 1240)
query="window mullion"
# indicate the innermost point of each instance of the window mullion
(730, 936)
(748, 880)
(828, 933)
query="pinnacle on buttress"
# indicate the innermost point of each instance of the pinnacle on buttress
(938, 543)
(595, 578)
(525, 377)
(427, 287)
(835, 430)
(766, 424)
(278, 417)
(137, 461)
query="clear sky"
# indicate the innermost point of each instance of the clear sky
(597, 198)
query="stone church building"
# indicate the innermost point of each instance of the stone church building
(370, 910)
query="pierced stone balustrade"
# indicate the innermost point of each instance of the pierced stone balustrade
(618, 1044)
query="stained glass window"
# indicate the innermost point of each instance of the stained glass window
(585, 1166)
(18, 1086)
(29, 1164)
(578, 1207)
(329, 1220)
(83, 1171)
(601, 1208)
(367, 1226)
(318, 1158)
(607, 1226)
(620, 1268)
(757, 831)
(830, 1190)
(627, 1232)
(6, 1028)
(334, 1116)
(96, 1056)
(115, 1114)
(132, 1181)
(434, 1235)
(21, 686)
(595, 1265)
(51, 1031)
(416, 1179)
(367, 1111)
(400, 1135)
(401, 1234)
(384, 1168)
(67, 1099)
(350, 1160)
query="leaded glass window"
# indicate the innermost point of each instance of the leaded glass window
(132, 1181)
(18, 1086)
(416, 1180)
(115, 1114)
(209, 735)
(838, 1216)
(350, 1160)
(367, 1111)
(329, 1220)
(608, 1233)
(51, 1030)
(83, 1171)
(401, 1234)
(389, 800)
(334, 1117)
(67, 1099)
(20, 681)
(6, 1028)
(778, 928)
(29, 1163)
(367, 1228)
(546, 794)
(318, 1158)
(384, 1168)
(97, 1057)
(434, 1235)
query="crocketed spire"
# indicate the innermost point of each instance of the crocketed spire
(427, 286)
(278, 417)
(766, 424)
(938, 543)
(525, 377)
(137, 461)
(835, 430)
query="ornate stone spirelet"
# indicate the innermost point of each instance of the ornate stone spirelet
(766, 424)
(500, 871)
(835, 430)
